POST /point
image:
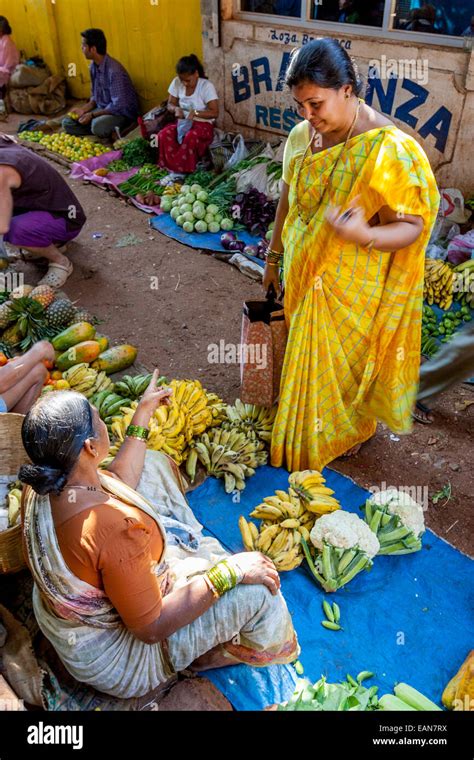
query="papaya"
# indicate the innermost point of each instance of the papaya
(103, 342)
(86, 351)
(459, 693)
(73, 335)
(115, 359)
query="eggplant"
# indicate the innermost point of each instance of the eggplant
(236, 245)
(227, 238)
(251, 250)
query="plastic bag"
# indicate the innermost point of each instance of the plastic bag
(240, 152)
(184, 125)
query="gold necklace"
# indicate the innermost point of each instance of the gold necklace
(306, 220)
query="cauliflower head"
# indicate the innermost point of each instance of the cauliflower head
(345, 530)
(400, 503)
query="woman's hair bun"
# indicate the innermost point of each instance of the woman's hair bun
(42, 478)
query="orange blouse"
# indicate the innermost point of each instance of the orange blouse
(114, 549)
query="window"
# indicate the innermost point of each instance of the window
(444, 21)
(366, 12)
(452, 17)
(273, 7)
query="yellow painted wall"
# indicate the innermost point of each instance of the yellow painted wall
(33, 28)
(147, 36)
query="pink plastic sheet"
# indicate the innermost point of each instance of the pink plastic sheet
(85, 170)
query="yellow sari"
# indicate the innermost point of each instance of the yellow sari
(353, 316)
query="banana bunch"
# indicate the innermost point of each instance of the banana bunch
(464, 286)
(228, 454)
(285, 522)
(218, 408)
(439, 283)
(190, 396)
(173, 189)
(251, 418)
(309, 486)
(14, 506)
(108, 404)
(134, 387)
(166, 429)
(81, 379)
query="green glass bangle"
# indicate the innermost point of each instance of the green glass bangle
(223, 577)
(136, 431)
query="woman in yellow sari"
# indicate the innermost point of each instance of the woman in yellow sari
(358, 205)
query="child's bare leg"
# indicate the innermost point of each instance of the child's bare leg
(21, 397)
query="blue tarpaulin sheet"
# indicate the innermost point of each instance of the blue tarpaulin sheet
(208, 241)
(409, 619)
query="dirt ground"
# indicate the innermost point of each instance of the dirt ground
(174, 302)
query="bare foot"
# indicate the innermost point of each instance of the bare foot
(353, 451)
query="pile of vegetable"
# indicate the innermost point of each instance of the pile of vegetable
(118, 165)
(70, 146)
(200, 177)
(352, 695)
(254, 211)
(432, 330)
(145, 185)
(138, 152)
(231, 242)
(397, 521)
(195, 210)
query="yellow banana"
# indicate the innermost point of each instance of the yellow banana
(290, 523)
(266, 537)
(246, 534)
(253, 531)
(278, 544)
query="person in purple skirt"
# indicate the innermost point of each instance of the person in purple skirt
(38, 210)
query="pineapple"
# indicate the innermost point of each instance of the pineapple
(21, 291)
(44, 295)
(5, 314)
(6, 350)
(28, 317)
(12, 337)
(82, 315)
(60, 313)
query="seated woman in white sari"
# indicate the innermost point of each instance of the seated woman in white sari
(122, 598)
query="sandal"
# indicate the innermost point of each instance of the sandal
(56, 275)
(418, 417)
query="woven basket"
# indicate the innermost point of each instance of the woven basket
(12, 456)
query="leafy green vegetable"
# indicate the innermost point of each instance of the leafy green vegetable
(445, 493)
(138, 152)
(324, 697)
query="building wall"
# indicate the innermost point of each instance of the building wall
(434, 104)
(145, 35)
